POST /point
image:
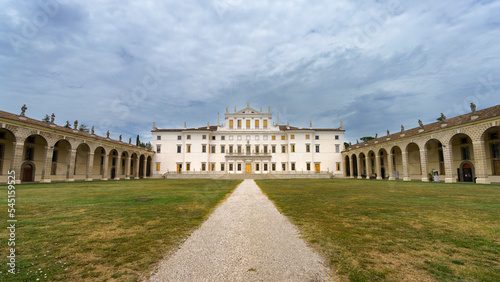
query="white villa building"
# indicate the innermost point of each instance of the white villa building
(248, 143)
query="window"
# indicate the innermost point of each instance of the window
(292, 136)
(188, 166)
(157, 166)
(230, 149)
(283, 166)
(293, 166)
(265, 149)
(464, 141)
(158, 137)
(178, 137)
(337, 148)
(265, 167)
(222, 168)
(257, 167)
(239, 149)
(308, 137)
(188, 137)
(213, 149)
(495, 151)
(230, 167)
(179, 148)
(30, 152)
(282, 137)
(273, 138)
(257, 123)
(317, 148)
(308, 148)
(265, 124)
(203, 148)
(212, 167)
(273, 149)
(316, 137)
(204, 137)
(223, 138)
(248, 150)
(308, 166)
(239, 167)
(273, 167)
(222, 149)
(336, 137)
(239, 123)
(248, 123)
(257, 149)
(203, 166)
(231, 124)
(292, 148)
(188, 148)
(494, 136)
(213, 137)
(338, 166)
(158, 148)
(465, 153)
(283, 148)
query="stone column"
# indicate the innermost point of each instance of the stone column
(127, 167)
(70, 176)
(105, 169)
(390, 166)
(17, 160)
(448, 164)
(351, 167)
(118, 167)
(360, 168)
(136, 168)
(47, 165)
(406, 171)
(145, 166)
(90, 166)
(368, 161)
(423, 164)
(378, 167)
(480, 167)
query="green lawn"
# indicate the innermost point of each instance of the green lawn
(98, 231)
(379, 230)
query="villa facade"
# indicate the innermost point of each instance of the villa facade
(248, 143)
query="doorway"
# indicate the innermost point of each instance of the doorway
(179, 168)
(248, 168)
(316, 166)
(467, 173)
(28, 173)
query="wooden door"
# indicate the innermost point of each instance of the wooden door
(316, 166)
(27, 173)
(248, 168)
(179, 168)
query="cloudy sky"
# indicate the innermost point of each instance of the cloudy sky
(120, 65)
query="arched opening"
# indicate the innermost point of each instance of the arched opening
(414, 165)
(354, 166)
(467, 171)
(435, 156)
(81, 161)
(362, 161)
(133, 165)
(112, 163)
(7, 143)
(372, 174)
(347, 166)
(34, 151)
(397, 162)
(60, 160)
(142, 161)
(491, 139)
(148, 166)
(98, 167)
(462, 152)
(383, 164)
(27, 172)
(123, 164)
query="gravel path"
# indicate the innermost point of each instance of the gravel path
(245, 239)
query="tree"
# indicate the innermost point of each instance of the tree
(46, 119)
(149, 146)
(68, 125)
(83, 127)
(439, 119)
(366, 138)
(138, 141)
(346, 145)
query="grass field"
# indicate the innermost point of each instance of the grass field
(98, 231)
(392, 231)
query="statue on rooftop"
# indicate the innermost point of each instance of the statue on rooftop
(130, 140)
(421, 124)
(388, 133)
(107, 134)
(402, 128)
(23, 110)
(443, 117)
(120, 138)
(52, 118)
(473, 108)
(75, 124)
